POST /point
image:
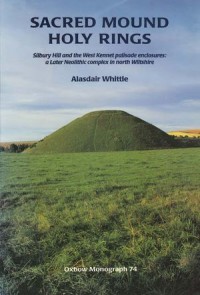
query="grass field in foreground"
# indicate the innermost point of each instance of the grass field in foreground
(121, 209)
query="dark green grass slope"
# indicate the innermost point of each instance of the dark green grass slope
(104, 131)
(117, 209)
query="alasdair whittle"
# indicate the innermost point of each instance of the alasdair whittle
(98, 79)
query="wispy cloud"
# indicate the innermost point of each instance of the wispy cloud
(111, 7)
(116, 5)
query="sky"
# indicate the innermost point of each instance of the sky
(37, 99)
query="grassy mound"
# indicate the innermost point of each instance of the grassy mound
(104, 131)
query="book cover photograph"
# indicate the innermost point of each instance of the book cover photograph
(100, 147)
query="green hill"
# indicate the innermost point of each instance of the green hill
(104, 131)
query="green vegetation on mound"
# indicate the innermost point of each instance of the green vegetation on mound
(123, 209)
(104, 131)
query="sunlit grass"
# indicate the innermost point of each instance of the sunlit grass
(105, 210)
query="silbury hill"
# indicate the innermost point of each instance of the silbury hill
(104, 131)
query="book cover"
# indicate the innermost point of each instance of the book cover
(99, 147)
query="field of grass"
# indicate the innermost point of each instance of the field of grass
(189, 133)
(121, 209)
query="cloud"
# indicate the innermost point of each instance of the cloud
(37, 99)
(111, 7)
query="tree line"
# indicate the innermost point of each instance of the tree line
(14, 148)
